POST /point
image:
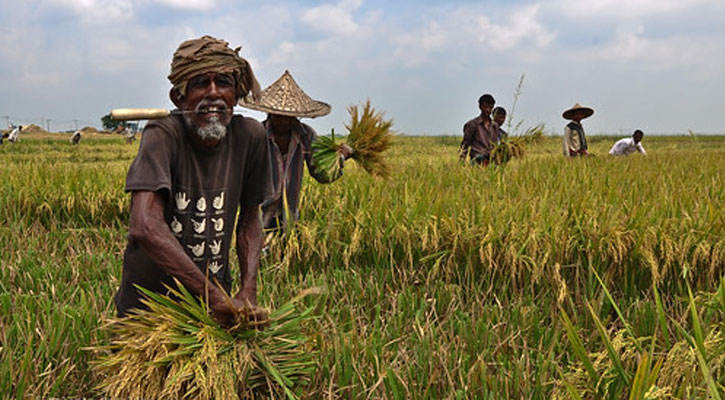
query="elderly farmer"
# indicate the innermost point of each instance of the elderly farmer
(290, 147)
(627, 146)
(480, 134)
(575, 142)
(191, 175)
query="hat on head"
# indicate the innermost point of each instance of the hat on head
(285, 97)
(585, 111)
(209, 54)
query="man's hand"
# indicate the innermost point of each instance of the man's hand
(346, 150)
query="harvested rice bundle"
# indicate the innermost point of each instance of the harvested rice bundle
(175, 350)
(369, 135)
(507, 149)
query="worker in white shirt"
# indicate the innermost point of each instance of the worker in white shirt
(13, 136)
(627, 146)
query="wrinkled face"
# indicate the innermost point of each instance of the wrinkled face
(485, 108)
(209, 104)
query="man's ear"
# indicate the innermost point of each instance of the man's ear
(176, 97)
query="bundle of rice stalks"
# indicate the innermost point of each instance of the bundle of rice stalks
(507, 149)
(369, 135)
(175, 350)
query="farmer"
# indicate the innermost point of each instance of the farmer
(499, 117)
(290, 147)
(75, 137)
(575, 142)
(13, 135)
(190, 177)
(627, 146)
(480, 134)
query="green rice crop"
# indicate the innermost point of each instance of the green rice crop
(441, 282)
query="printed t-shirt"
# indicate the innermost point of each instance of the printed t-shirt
(203, 189)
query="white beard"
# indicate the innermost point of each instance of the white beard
(214, 129)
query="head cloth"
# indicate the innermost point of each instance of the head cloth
(208, 54)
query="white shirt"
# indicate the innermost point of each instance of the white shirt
(625, 147)
(14, 135)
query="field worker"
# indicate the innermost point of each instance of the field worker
(480, 134)
(499, 117)
(13, 136)
(129, 135)
(191, 175)
(575, 141)
(627, 146)
(75, 137)
(290, 147)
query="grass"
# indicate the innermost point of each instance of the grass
(441, 282)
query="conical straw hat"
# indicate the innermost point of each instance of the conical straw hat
(285, 97)
(586, 111)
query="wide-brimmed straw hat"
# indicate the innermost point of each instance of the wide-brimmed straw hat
(285, 97)
(585, 111)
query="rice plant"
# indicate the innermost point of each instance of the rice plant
(175, 350)
(369, 135)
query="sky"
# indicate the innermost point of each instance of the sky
(655, 65)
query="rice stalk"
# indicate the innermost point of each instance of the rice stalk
(369, 135)
(175, 350)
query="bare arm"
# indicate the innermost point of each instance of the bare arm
(148, 228)
(249, 247)
(466, 141)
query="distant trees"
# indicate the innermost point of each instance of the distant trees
(109, 124)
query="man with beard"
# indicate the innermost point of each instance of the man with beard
(191, 175)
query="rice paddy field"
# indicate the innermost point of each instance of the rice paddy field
(597, 278)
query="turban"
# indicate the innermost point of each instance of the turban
(208, 54)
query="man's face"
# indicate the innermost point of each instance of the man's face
(485, 108)
(499, 118)
(637, 137)
(281, 124)
(209, 104)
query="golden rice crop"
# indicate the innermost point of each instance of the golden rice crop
(175, 350)
(369, 135)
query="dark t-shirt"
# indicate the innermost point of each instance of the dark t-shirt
(203, 188)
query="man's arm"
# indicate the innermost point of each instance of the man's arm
(148, 228)
(466, 141)
(319, 175)
(249, 247)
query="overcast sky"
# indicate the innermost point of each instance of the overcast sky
(657, 65)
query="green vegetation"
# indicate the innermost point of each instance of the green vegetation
(549, 278)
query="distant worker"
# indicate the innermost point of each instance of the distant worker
(76, 137)
(480, 134)
(575, 141)
(290, 148)
(13, 136)
(627, 146)
(499, 117)
(129, 135)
